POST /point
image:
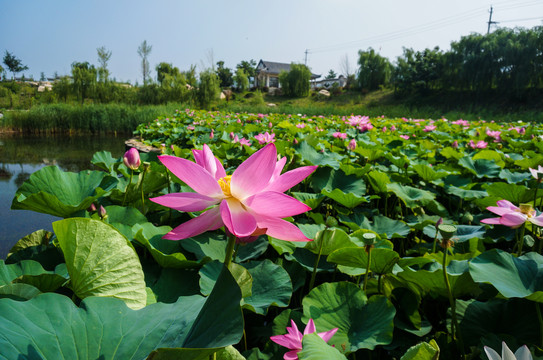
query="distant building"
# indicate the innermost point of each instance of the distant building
(267, 73)
(341, 81)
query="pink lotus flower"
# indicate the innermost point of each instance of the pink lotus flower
(339, 135)
(265, 138)
(405, 137)
(300, 125)
(460, 122)
(131, 159)
(251, 200)
(293, 340)
(429, 128)
(536, 173)
(513, 216)
(480, 144)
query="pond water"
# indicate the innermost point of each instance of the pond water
(21, 155)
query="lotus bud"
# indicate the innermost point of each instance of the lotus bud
(132, 159)
(455, 144)
(102, 212)
(232, 135)
(270, 125)
(92, 208)
(212, 135)
(439, 222)
(352, 145)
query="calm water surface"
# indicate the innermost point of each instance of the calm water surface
(21, 155)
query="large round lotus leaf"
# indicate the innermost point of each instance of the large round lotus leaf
(430, 281)
(384, 226)
(503, 318)
(422, 351)
(327, 241)
(411, 196)
(271, 286)
(361, 323)
(50, 326)
(40, 237)
(382, 260)
(55, 192)
(310, 156)
(315, 348)
(517, 194)
(100, 261)
(513, 277)
(480, 167)
(348, 190)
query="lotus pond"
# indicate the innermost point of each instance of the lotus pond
(357, 237)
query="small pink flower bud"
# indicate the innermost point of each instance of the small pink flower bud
(352, 145)
(270, 125)
(212, 135)
(132, 159)
(102, 212)
(92, 208)
(455, 144)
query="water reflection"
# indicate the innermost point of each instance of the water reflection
(20, 156)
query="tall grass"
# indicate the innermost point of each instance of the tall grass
(94, 119)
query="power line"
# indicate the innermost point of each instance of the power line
(525, 19)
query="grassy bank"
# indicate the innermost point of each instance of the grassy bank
(62, 118)
(109, 118)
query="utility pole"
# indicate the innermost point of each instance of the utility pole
(490, 22)
(305, 57)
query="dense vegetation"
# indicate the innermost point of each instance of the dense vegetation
(406, 259)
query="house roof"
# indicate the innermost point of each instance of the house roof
(274, 68)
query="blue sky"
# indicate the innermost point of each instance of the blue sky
(49, 35)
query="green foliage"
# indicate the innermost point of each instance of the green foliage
(295, 83)
(84, 79)
(208, 89)
(226, 78)
(241, 80)
(374, 70)
(13, 64)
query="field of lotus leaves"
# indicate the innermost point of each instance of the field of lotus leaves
(256, 236)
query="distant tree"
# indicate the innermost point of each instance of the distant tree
(346, 69)
(172, 82)
(84, 79)
(208, 88)
(374, 70)
(331, 74)
(42, 76)
(143, 51)
(62, 87)
(14, 64)
(103, 58)
(418, 70)
(295, 83)
(241, 79)
(190, 76)
(226, 78)
(163, 69)
(249, 67)
(2, 73)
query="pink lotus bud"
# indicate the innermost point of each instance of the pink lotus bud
(352, 145)
(102, 212)
(212, 135)
(295, 141)
(439, 222)
(455, 144)
(92, 208)
(232, 135)
(270, 125)
(132, 159)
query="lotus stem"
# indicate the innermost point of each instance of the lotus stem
(540, 318)
(142, 197)
(128, 186)
(455, 329)
(521, 240)
(368, 250)
(435, 243)
(314, 274)
(229, 250)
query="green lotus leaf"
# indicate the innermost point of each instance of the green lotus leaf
(480, 167)
(378, 181)
(427, 173)
(361, 323)
(517, 194)
(40, 237)
(100, 261)
(490, 155)
(348, 190)
(463, 232)
(314, 157)
(105, 161)
(499, 317)
(18, 291)
(466, 194)
(58, 193)
(105, 328)
(180, 353)
(514, 177)
(382, 260)
(348, 200)
(271, 286)
(315, 348)
(167, 253)
(10, 272)
(307, 260)
(422, 351)
(327, 241)
(210, 272)
(168, 284)
(430, 279)
(384, 226)
(412, 197)
(310, 199)
(213, 246)
(513, 277)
